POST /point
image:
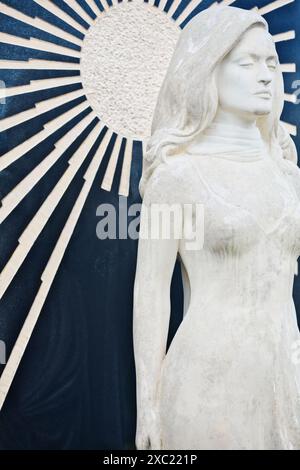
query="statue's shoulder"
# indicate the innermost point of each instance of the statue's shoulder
(292, 173)
(176, 170)
(172, 180)
(290, 169)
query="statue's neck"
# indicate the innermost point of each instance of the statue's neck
(229, 139)
(235, 120)
(250, 134)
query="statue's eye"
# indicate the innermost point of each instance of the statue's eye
(272, 66)
(246, 64)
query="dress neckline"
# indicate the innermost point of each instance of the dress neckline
(287, 210)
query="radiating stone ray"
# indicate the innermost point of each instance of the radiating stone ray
(285, 36)
(288, 68)
(39, 24)
(175, 4)
(52, 8)
(39, 85)
(106, 5)
(162, 4)
(151, 3)
(15, 196)
(98, 9)
(273, 6)
(37, 64)
(95, 164)
(125, 175)
(112, 164)
(49, 128)
(291, 128)
(187, 11)
(226, 2)
(79, 10)
(38, 222)
(214, 5)
(290, 98)
(38, 109)
(93, 7)
(39, 45)
(50, 273)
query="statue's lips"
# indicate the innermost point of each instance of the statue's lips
(264, 94)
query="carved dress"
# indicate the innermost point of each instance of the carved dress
(231, 378)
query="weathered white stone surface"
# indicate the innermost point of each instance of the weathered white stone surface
(124, 58)
(231, 379)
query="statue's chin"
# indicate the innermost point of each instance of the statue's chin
(258, 111)
(262, 112)
(262, 108)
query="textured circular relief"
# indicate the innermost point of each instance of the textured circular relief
(124, 59)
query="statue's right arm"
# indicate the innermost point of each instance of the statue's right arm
(155, 264)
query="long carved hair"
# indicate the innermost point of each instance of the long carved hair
(188, 98)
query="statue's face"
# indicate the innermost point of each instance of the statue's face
(247, 75)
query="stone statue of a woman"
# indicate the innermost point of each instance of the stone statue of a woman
(229, 379)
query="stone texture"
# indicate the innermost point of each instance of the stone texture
(124, 59)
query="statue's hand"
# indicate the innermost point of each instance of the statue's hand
(148, 430)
